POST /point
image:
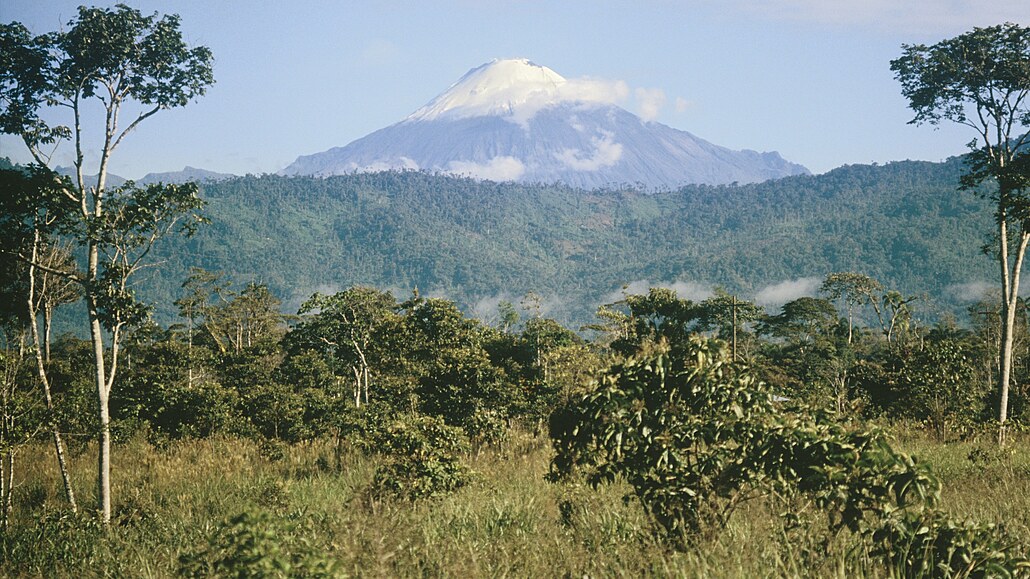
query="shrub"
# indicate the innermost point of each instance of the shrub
(697, 436)
(423, 458)
(56, 540)
(679, 434)
(254, 544)
(930, 544)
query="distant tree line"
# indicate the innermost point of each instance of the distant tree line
(902, 223)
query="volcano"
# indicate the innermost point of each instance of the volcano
(513, 120)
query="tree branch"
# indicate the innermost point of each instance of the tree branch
(134, 124)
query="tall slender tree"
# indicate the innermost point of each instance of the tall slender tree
(981, 79)
(124, 63)
(27, 222)
(854, 289)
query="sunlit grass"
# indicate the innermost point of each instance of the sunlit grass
(509, 523)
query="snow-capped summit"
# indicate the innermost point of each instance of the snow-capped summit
(513, 120)
(498, 88)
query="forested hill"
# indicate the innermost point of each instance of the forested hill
(903, 223)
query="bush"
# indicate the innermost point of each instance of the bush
(423, 458)
(696, 437)
(930, 544)
(57, 540)
(679, 431)
(254, 544)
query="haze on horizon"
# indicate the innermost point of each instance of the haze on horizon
(807, 78)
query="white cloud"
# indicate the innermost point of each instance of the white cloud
(650, 102)
(487, 309)
(683, 105)
(969, 291)
(398, 164)
(292, 304)
(501, 168)
(690, 290)
(590, 91)
(635, 287)
(593, 90)
(785, 291)
(606, 153)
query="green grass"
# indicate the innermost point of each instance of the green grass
(508, 523)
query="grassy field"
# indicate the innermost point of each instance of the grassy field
(173, 504)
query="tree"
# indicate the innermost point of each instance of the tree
(811, 353)
(347, 329)
(26, 224)
(508, 316)
(123, 62)
(893, 312)
(802, 322)
(981, 79)
(244, 319)
(724, 313)
(854, 289)
(658, 314)
(198, 286)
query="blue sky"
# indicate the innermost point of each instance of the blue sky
(807, 78)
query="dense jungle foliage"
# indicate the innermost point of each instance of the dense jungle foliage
(903, 223)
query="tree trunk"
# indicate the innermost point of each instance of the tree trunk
(8, 495)
(357, 386)
(104, 462)
(5, 428)
(48, 315)
(365, 372)
(103, 395)
(44, 381)
(1010, 301)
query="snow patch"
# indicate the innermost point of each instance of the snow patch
(516, 89)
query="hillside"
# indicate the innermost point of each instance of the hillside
(903, 223)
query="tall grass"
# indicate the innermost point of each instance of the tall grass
(171, 501)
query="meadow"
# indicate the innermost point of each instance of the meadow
(304, 510)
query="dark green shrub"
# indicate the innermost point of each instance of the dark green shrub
(257, 545)
(698, 436)
(930, 544)
(57, 540)
(423, 458)
(680, 437)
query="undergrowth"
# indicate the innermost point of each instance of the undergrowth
(207, 507)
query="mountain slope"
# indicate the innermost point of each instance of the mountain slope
(903, 223)
(512, 120)
(187, 174)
